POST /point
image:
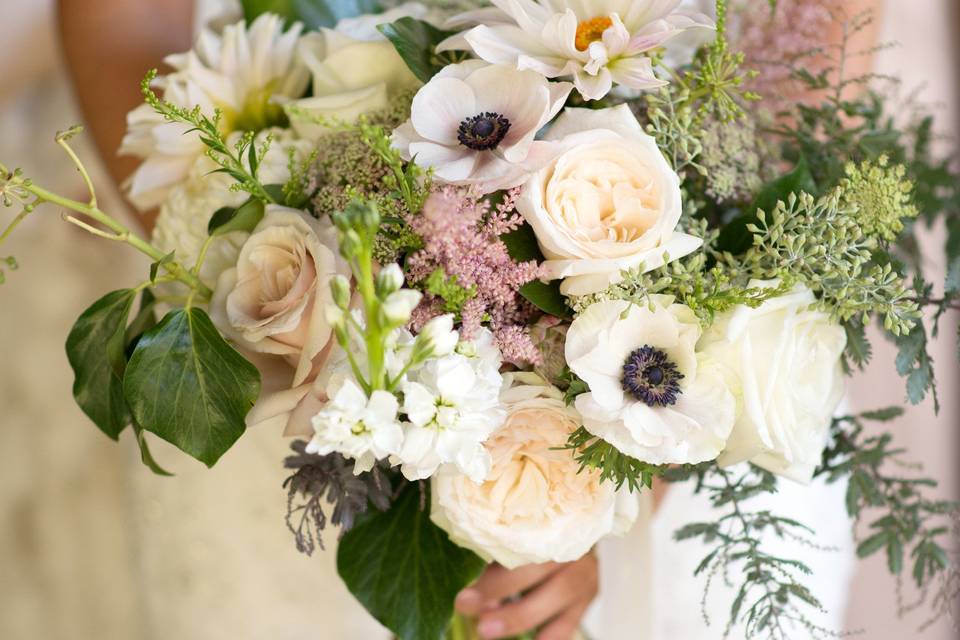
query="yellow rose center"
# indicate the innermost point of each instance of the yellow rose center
(590, 31)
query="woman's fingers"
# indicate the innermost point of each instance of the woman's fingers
(569, 589)
(498, 583)
(566, 625)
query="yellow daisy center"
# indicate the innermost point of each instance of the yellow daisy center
(590, 31)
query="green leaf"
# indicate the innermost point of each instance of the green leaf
(735, 237)
(546, 296)
(145, 456)
(858, 350)
(155, 267)
(883, 415)
(872, 544)
(522, 246)
(185, 384)
(244, 218)
(416, 42)
(404, 569)
(313, 13)
(95, 351)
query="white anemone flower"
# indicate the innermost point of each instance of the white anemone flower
(364, 429)
(452, 404)
(596, 42)
(244, 73)
(652, 395)
(475, 124)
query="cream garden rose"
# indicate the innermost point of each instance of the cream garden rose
(607, 203)
(273, 301)
(535, 506)
(351, 77)
(787, 358)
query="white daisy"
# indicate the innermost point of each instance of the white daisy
(596, 42)
(242, 72)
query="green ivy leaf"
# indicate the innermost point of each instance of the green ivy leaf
(416, 42)
(735, 236)
(522, 246)
(185, 384)
(95, 351)
(145, 456)
(404, 569)
(313, 13)
(244, 218)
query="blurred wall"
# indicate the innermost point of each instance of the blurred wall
(85, 530)
(925, 57)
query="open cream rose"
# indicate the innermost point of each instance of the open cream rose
(609, 202)
(273, 301)
(786, 355)
(535, 506)
(351, 77)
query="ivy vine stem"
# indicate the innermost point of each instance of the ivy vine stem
(120, 232)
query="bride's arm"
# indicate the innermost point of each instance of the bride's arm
(108, 46)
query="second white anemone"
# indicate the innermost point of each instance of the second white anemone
(652, 395)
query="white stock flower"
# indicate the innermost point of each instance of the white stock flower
(351, 77)
(399, 305)
(452, 406)
(787, 356)
(439, 334)
(364, 429)
(609, 202)
(652, 395)
(596, 42)
(242, 73)
(536, 505)
(475, 124)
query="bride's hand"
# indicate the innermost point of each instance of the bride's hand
(554, 599)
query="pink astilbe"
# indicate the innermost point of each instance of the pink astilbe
(461, 234)
(774, 42)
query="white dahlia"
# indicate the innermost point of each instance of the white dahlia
(244, 72)
(596, 42)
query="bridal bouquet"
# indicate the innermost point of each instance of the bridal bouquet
(496, 268)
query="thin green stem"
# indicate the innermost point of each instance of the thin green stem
(13, 225)
(122, 234)
(373, 333)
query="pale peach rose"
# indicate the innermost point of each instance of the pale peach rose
(273, 301)
(535, 505)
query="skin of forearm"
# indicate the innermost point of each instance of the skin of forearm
(108, 46)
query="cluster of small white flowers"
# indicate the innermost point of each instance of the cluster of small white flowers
(450, 393)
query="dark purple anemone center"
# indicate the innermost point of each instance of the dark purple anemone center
(483, 131)
(650, 377)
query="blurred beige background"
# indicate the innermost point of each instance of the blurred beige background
(87, 533)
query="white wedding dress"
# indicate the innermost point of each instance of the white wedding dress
(216, 561)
